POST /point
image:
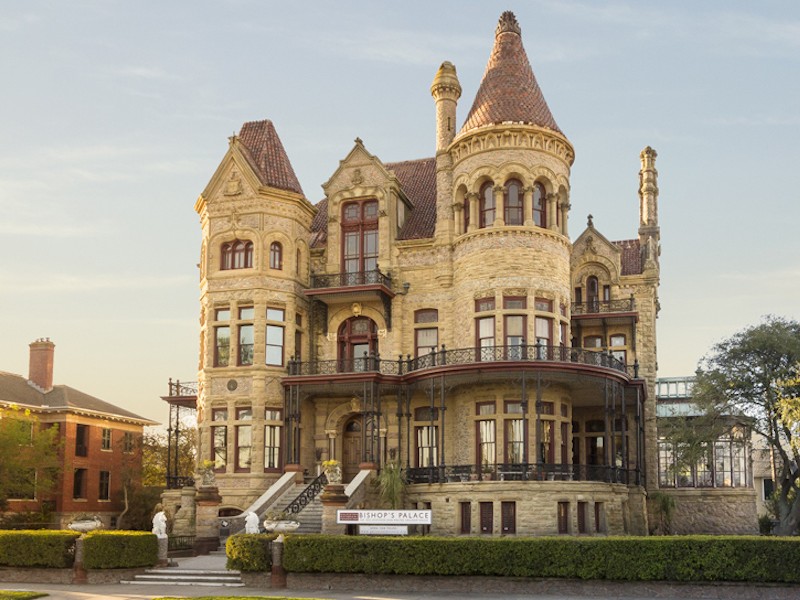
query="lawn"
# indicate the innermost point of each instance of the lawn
(4, 595)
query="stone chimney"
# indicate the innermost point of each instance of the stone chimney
(40, 369)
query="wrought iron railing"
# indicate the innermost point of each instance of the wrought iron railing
(182, 388)
(338, 280)
(522, 472)
(307, 495)
(180, 542)
(603, 306)
(176, 482)
(462, 356)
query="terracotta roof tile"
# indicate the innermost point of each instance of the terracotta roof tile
(631, 256)
(267, 156)
(509, 91)
(418, 181)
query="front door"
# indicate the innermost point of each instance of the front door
(351, 448)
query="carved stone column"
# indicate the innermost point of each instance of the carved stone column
(473, 210)
(552, 206)
(458, 218)
(527, 206)
(499, 206)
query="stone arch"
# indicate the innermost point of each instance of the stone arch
(215, 242)
(601, 267)
(287, 249)
(303, 252)
(335, 319)
(544, 176)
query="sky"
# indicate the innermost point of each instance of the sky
(114, 116)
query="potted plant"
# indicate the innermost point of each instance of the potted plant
(333, 470)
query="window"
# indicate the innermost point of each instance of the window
(82, 440)
(427, 436)
(426, 341)
(592, 294)
(487, 206)
(298, 261)
(508, 517)
(515, 336)
(564, 334)
(219, 438)
(466, 211)
(513, 203)
(564, 443)
(514, 302)
(544, 336)
(244, 439)
(582, 517)
(485, 332)
(514, 435)
(237, 254)
(246, 336)
(358, 340)
(276, 256)
(616, 342)
(105, 440)
(486, 437)
(275, 336)
(222, 346)
(484, 304)
(360, 238)
(599, 517)
(79, 484)
(563, 517)
(104, 492)
(547, 444)
(767, 489)
(426, 315)
(272, 439)
(298, 336)
(539, 205)
(593, 341)
(487, 517)
(465, 508)
(127, 442)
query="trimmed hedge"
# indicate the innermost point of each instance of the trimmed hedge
(119, 549)
(679, 558)
(249, 551)
(40, 548)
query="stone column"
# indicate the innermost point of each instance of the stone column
(278, 574)
(565, 206)
(527, 206)
(499, 206)
(473, 210)
(184, 521)
(78, 572)
(458, 217)
(207, 519)
(552, 206)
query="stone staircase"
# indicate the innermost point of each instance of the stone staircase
(206, 571)
(311, 517)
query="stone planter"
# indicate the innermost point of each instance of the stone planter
(85, 525)
(281, 526)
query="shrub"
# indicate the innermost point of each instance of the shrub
(37, 548)
(685, 558)
(119, 549)
(249, 551)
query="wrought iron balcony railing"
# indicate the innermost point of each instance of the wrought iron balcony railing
(182, 388)
(463, 356)
(522, 472)
(360, 278)
(593, 307)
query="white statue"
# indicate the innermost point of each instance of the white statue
(251, 523)
(160, 524)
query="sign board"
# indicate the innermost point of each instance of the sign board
(383, 517)
(383, 529)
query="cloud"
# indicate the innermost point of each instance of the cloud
(33, 228)
(142, 72)
(18, 22)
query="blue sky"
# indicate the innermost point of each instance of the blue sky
(114, 115)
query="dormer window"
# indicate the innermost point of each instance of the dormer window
(237, 254)
(360, 236)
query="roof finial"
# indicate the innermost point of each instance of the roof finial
(508, 23)
(589, 222)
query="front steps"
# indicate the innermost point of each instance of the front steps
(198, 577)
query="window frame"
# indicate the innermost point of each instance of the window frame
(539, 214)
(487, 209)
(363, 228)
(514, 210)
(276, 256)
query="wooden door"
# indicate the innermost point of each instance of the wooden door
(351, 448)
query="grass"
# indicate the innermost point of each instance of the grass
(4, 595)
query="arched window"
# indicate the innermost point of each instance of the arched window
(513, 203)
(592, 294)
(298, 263)
(539, 205)
(466, 213)
(237, 254)
(276, 256)
(487, 204)
(358, 339)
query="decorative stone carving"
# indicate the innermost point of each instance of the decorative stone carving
(233, 187)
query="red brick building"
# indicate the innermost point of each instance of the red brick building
(100, 442)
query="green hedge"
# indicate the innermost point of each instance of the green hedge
(40, 548)
(119, 549)
(249, 551)
(679, 558)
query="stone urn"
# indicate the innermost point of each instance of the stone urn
(281, 526)
(86, 524)
(333, 471)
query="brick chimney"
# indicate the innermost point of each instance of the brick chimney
(40, 369)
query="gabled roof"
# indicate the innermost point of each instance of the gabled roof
(263, 149)
(509, 91)
(631, 259)
(417, 179)
(15, 389)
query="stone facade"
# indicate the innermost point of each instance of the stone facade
(434, 312)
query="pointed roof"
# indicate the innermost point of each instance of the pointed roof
(266, 155)
(508, 91)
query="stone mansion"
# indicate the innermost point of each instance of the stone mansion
(436, 313)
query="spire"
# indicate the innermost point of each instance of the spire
(268, 157)
(509, 91)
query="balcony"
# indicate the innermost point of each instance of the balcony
(603, 307)
(495, 356)
(522, 472)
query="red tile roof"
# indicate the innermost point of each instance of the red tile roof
(631, 256)
(508, 91)
(418, 181)
(267, 156)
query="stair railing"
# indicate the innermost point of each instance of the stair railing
(307, 495)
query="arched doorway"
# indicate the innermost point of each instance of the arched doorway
(351, 447)
(358, 339)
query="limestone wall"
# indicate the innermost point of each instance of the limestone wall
(713, 511)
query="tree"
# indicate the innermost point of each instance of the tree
(755, 374)
(30, 463)
(155, 450)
